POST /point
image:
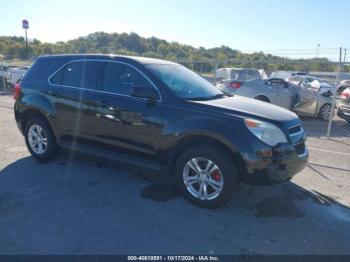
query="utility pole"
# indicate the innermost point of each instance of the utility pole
(25, 26)
(334, 94)
(318, 50)
(345, 54)
(3, 73)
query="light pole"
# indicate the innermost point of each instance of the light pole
(25, 26)
(3, 72)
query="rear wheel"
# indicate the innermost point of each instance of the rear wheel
(207, 176)
(263, 98)
(325, 112)
(40, 140)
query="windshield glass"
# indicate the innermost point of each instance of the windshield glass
(184, 83)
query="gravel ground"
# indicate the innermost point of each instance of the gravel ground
(81, 205)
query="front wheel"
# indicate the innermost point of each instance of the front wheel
(207, 176)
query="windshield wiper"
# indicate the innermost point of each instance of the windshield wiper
(218, 96)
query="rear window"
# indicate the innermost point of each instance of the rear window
(82, 74)
(244, 75)
(37, 76)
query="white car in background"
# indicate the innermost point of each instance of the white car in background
(15, 74)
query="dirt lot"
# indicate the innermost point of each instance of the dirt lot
(81, 205)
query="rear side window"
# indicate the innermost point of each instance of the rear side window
(120, 78)
(82, 74)
(37, 75)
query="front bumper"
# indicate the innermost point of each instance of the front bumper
(344, 112)
(275, 165)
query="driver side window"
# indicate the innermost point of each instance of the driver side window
(120, 79)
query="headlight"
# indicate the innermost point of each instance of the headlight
(266, 132)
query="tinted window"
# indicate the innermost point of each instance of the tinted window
(72, 74)
(120, 78)
(244, 75)
(78, 74)
(183, 82)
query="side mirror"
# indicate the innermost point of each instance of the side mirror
(144, 92)
(305, 84)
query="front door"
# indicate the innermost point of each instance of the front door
(125, 123)
(307, 99)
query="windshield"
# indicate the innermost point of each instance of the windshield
(185, 83)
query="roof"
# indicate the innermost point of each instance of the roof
(141, 60)
(236, 68)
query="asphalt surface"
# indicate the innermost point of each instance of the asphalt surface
(77, 204)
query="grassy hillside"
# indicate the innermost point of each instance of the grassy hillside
(133, 44)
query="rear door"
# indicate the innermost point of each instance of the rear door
(73, 88)
(307, 99)
(124, 123)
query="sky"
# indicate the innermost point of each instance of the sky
(247, 25)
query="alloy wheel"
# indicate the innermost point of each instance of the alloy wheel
(203, 178)
(37, 138)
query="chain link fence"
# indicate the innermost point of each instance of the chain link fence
(314, 95)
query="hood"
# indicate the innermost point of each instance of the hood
(239, 105)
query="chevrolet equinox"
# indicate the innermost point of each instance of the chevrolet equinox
(159, 116)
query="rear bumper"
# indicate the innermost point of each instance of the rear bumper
(281, 165)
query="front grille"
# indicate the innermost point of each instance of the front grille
(300, 148)
(294, 130)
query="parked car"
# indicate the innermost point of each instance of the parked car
(310, 81)
(344, 84)
(306, 100)
(15, 74)
(343, 105)
(160, 116)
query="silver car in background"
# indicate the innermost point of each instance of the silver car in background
(303, 99)
(323, 85)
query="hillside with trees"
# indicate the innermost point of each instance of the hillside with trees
(199, 59)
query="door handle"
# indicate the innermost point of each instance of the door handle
(52, 93)
(105, 104)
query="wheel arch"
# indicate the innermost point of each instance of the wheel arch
(199, 139)
(265, 98)
(31, 113)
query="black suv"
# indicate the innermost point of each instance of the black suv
(161, 116)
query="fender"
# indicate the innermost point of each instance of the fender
(38, 102)
(220, 129)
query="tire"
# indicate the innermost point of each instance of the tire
(263, 98)
(223, 175)
(38, 128)
(325, 112)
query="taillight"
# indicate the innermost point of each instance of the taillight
(345, 94)
(235, 85)
(17, 91)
